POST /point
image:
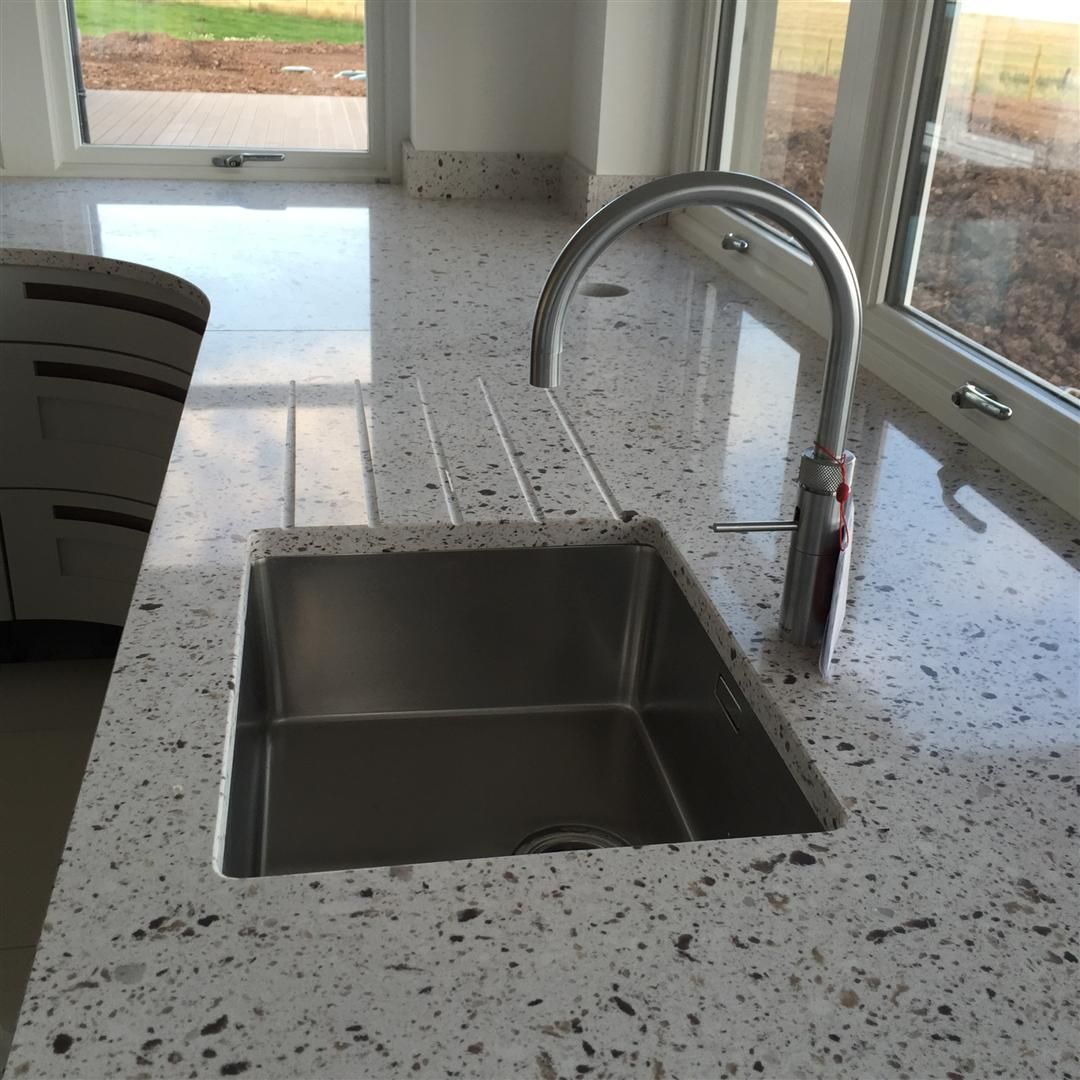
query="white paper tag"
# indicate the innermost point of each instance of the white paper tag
(839, 595)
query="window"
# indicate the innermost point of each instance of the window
(941, 139)
(315, 90)
(789, 72)
(989, 242)
(279, 75)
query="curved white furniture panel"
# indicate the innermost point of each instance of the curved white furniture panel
(71, 555)
(98, 304)
(95, 360)
(86, 420)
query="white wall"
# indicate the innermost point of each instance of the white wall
(596, 79)
(642, 43)
(25, 122)
(492, 74)
(626, 71)
(587, 85)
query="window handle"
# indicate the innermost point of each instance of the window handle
(969, 396)
(734, 242)
(235, 161)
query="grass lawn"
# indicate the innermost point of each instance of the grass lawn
(178, 20)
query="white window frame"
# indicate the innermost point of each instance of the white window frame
(386, 28)
(864, 180)
(777, 267)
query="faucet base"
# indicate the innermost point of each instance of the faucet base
(808, 589)
(812, 559)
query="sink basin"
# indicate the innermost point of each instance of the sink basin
(456, 704)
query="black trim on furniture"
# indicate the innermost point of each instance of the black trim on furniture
(140, 305)
(58, 369)
(96, 516)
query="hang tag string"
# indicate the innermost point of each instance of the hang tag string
(843, 492)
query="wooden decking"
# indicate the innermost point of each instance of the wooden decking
(226, 121)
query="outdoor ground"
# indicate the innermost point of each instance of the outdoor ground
(216, 48)
(1000, 257)
(126, 61)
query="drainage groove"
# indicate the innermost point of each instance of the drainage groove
(569, 838)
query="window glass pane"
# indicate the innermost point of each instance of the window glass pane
(787, 94)
(991, 240)
(224, 74)
(808, 43)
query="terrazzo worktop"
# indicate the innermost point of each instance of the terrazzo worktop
(366, 364)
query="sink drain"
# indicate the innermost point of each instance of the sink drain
(569, 838)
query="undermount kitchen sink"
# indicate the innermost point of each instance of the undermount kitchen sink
(419, 706)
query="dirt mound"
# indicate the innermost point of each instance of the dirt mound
(127, 61)
(999, 261)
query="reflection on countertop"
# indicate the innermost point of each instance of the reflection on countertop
(367, 363)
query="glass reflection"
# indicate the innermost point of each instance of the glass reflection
(264, 268)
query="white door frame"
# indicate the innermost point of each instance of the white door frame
(387, 33)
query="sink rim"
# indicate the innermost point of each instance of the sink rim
(329, 541)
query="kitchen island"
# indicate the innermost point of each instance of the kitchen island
(366, 363)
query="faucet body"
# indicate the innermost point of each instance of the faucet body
(815, 545)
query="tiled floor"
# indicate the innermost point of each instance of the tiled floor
(48, 713)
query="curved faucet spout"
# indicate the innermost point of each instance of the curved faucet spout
(811, 566)
(735, 191)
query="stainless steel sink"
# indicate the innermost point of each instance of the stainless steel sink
(400, 708)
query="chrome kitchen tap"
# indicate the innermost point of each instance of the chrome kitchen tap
(824, 467)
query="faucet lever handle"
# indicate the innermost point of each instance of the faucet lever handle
(753, 526)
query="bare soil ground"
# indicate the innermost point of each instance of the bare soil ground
(1000, 256)
(127, 61)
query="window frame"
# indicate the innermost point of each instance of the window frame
(386, 26)
(880, 84)
(778, 266)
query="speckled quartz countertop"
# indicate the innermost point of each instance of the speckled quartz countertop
(934, 934)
